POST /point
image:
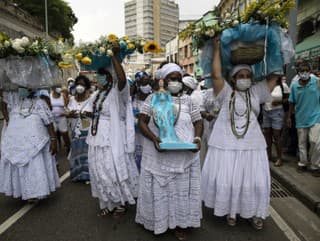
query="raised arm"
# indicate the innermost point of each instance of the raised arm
(122, 80)
(217, 79)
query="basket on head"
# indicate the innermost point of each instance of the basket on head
(247, 52)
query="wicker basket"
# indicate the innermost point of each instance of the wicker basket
(247, 52)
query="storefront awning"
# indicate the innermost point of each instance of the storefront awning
(309, 48)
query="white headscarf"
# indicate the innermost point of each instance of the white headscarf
(170, 68)
(239, 67)
(190, 82)
(157, 74)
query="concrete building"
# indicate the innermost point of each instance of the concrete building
(154, 20)
(308, 24)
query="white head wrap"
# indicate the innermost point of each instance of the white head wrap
(44, 92)
(190, 82)
(157, 74)
(239, 67)
(170, 68)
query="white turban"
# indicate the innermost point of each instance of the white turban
(190, 82)
(170, 68)
(239, 67)
(157, 74)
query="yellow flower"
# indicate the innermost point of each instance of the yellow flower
(131, 46)
(112, 37)
(125, 38)
(152, 47)
(63, 65)
(86, 61)
(79, 56)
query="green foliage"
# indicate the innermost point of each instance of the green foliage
(61, 18)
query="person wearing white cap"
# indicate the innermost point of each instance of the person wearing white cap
(190, 86)
(169, 191)
(235, 175)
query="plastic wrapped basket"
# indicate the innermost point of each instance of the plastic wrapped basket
(247, 52)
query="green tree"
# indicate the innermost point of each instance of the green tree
(61, 17)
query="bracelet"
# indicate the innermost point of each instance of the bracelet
(197, 138)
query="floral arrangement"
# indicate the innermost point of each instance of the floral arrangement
(275, 11)
(103, 48)
(257, 11)
(31, 47)
(202, 32)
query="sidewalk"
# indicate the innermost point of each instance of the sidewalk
(303, 186)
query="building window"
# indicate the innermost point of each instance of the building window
(176, 57)
(190, 49)
(186, 51)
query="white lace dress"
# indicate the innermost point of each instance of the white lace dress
(169, 191)
(27, 168)
(113, 175)
(235, 176)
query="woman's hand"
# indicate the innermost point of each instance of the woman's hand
(216, 42)
(289, 122)
(116, 49)
(198, 142)
(53, 146)
(156, 143)
(86, 114)
(73, 114)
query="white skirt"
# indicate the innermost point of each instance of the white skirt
(105, 184)
(37, 179)
(236, 182)
(176, 204)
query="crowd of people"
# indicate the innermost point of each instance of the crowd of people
(111, 140)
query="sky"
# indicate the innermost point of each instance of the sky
(102, 17)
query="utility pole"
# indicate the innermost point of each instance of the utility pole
(46, 17)
(293, 15)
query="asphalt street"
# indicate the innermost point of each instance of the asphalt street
(70, 214)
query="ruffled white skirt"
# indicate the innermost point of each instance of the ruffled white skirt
(177, 203)
(37, 179)
(104, 179)
(236, 182)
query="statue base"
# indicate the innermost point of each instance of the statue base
(177, 146)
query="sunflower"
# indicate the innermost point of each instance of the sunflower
(63, 65)
(79, 56)
(86, 61)
(131, 46)
(112, 37)
(152, 47)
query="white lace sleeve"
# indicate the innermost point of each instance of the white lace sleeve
(195, 111)
(262, 91)
(224, 93)
(42, 109)
(145, 109)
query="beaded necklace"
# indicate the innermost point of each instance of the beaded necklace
(96, 111)
(25, 113)
(246, 113)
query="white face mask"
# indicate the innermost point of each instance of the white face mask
(58, 90)
(80, 89)
(174, 87)
(304, 76)
(145, 89)
(243, 84)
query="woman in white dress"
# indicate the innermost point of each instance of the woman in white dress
(27, 166)
(78, 104)
(235, 175)
(113, 177)
(169, 189)
(142, 90)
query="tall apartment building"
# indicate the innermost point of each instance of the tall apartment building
(152, 19)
